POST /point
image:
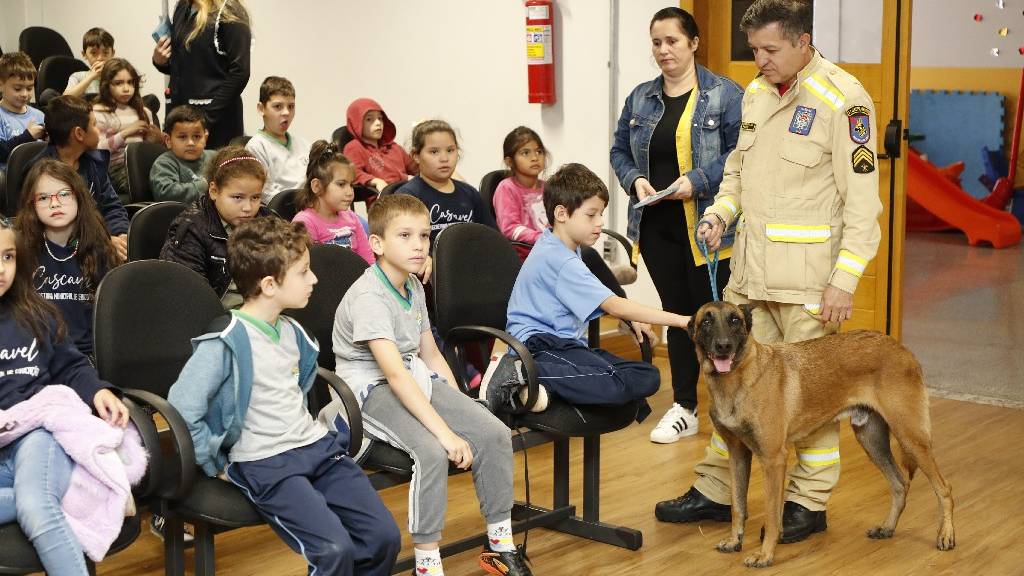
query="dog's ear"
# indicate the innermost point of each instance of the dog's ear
(691, 325)
(748, 316)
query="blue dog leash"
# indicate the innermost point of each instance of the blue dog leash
(712, 268)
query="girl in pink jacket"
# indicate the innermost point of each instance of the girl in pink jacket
(519, 199)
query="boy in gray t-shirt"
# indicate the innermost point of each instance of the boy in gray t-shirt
(242, 394)
(386, 353)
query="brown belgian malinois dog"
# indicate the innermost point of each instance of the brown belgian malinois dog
(766, 397)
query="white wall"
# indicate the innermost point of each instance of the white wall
(946, 35)
(460, 60)
(849, 30)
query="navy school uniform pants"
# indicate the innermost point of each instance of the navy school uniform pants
(322, 505)
(582, 375)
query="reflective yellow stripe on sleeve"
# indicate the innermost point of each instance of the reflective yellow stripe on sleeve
(718, 445)
(850, 262)
(817, 457)
(798, 233)
(755, 85)
(728, 204)
(825, 91)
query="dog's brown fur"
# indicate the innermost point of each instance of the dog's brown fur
(775, 395)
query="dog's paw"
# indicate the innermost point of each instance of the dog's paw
(880, 533)
(758, 560)
(946, 540)
(730, 545)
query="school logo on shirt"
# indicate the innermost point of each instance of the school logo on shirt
(27, 353)
(342, 236)
(441, 219)
(61, 286)
(803, 118)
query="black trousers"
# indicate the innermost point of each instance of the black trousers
(682, 286)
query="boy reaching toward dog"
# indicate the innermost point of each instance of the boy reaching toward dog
(556, 296)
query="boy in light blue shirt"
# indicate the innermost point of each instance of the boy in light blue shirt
(19, 122)
(556, 296)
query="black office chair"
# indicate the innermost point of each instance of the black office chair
(147, 230)
(54, 72)
(391, 188)
(17, 169)
(152, 103)
(240, 140)
(283, 204)
(488, 184)
(475, 269)
(341, 136)
(40, 43)
(130, 301)
(139, 158)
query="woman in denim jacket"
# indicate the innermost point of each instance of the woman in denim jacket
(677, 129)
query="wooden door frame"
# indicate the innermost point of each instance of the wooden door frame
(889, 85)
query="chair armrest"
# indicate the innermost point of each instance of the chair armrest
(626, 244)
(348, 400)
(151, 444)
(467, 333)
(181, 440)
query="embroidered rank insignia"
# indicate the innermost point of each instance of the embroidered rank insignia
(860, 127)
(748, 126)
(863, 160)
(802, 120)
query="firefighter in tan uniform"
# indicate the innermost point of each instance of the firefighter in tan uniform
(802, 185)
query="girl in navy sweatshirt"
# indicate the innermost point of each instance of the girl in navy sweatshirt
(64, 244)
(34, 470)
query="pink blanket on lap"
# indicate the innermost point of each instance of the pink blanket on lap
(108, 461)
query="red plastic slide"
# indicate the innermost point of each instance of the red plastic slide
(927, 186)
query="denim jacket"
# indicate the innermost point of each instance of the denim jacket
(213, 390)
(716, 127)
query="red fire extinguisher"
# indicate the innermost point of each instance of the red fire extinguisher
(540, 56)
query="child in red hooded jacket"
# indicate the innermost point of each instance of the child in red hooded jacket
(378, 159)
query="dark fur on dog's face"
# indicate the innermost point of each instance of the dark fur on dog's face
(720, 330)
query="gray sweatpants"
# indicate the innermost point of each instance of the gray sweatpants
(386, 419)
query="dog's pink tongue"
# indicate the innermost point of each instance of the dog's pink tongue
(723, 365)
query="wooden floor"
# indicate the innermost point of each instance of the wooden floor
(977, 446)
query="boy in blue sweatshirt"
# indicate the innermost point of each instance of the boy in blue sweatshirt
(243, 396)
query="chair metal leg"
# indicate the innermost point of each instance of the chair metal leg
(174, 544)
(590, 525)
(560, 476)
(204, 549)
(90, 567)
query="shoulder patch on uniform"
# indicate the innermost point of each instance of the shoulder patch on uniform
(802, 120)
(748, 126)
(860, 126)
(863, 160)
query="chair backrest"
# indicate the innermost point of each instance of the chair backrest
(336, 269)
(488, 184)
(598, 267)
(240, 140)
(40, 43)
(341, 136)
(17, 169)
(144, 316)
(475, 268)
(147, 230)
(54, 72)
(392, 188)
(283, 203)
(139, 158)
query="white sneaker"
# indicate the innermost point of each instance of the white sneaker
(677, 423)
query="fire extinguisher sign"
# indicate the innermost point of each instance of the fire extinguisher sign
(538, 44)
